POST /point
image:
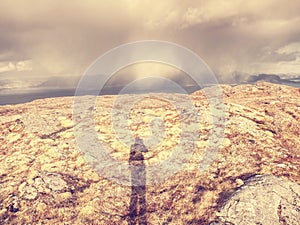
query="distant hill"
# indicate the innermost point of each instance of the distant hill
(272, 78)
(59, 82)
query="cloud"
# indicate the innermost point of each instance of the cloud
(292, 48)
(25, 65)
(63, 38)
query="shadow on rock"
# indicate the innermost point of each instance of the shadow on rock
(137, 208)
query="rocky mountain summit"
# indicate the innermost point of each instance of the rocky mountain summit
(254, 179)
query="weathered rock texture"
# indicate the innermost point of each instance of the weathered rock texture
(263, 200)
(44, 178)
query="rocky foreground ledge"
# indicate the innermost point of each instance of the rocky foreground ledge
(44, 178)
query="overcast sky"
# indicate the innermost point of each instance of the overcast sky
(49, 38)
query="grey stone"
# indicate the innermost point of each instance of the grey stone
(263, 200)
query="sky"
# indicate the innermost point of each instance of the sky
(43, 40)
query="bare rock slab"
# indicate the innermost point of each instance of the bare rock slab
(264, 199)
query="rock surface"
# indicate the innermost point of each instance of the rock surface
(263, 200)
(45, 178)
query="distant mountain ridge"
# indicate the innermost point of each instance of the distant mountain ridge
(272, 78)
